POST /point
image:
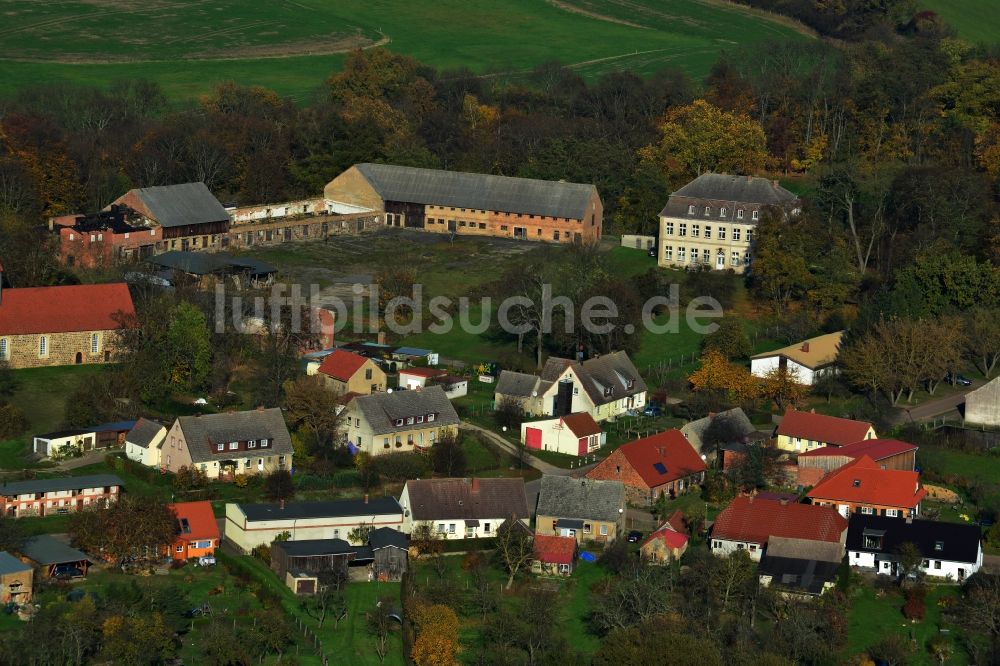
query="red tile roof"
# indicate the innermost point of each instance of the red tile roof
(555, 549)
(200, 518)
(863, 481)
(581, 424)
(669, 451)
(822, 428)
(668, 535)
(757, 520)
(81, 307)
(876, 449)
(423, 372)
(341, 365)
(676, 520)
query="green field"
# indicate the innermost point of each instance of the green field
(975, 20)
(292, 45)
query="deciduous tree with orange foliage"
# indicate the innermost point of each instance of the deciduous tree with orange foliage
(437, 635)
(717, 374)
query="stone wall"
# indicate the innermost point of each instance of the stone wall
(62, 348)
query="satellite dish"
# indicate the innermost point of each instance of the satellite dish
(388, 390)
(534, 394)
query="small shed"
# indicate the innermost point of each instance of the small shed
(390, 553)
(311, 556)
(49, 552)
(16, 579)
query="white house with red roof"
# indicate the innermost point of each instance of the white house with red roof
(574, 434)
(664, 463)
(667, 543)
(344, 372)
(64, 325)
(748, 523)
(862, 486)
(805, 431)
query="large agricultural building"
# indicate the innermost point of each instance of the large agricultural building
(469, 203)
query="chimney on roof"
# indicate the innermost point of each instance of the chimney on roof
(805, 346)
(475, 485)
(381, 337)
(366, 498)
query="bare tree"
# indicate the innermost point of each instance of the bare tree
(514, 547)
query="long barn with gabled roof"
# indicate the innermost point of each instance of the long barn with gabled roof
(470, 203)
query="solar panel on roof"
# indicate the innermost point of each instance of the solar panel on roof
(660, 467)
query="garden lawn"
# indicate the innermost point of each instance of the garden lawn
(871, 618)
(579, 602)
(974, 20)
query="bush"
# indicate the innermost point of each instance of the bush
(13, 422)
(400, 466)
(347, 478)
(914, 608)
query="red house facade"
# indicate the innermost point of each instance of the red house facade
(198, 530)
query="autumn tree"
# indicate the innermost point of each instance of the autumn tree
(514, 547)
(783, 386)
(136, 640)
(646, 643)
(312, 410)
(436, 640)
(729, 338)
(131, 529)
(700, 138)
(981, 341)
(717, 374)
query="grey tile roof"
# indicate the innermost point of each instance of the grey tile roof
(457, 499)
(314, 547)
(386, 537)
(381, 410)
(178, 205)
(517, 384)
(143, 433)
(46, 549)
(10, 564)
(751, 192)
(201, 431)
(566, 497)
(613, 371)
(735, 420)
(554, 366)
(378, 506)
(63, 483)
(479, 191)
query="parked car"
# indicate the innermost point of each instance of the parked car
(652, 410)
(959, 379)
(652, 252)
(634, 536)
(66, 572)
(206, 561)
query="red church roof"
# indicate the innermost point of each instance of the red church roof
(555, 549)
(64, 309)
(756, 520)
(876, 449)
(663, 457)
(341, 365)
(199, 520)
(863, 481)
(822, 428)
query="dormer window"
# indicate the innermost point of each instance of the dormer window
(220, 447)
(252, 444)
(233, 446)
(608, 391)
(264, 443)
(723, 211)
(430, 417)
(631, 384)
(409, 420)
(755, 215)
(939, 545)
(857, 483)
(739, 213)
(691, 209)
(420, 419)
(873, 539)
(708, 211)
(399, 422)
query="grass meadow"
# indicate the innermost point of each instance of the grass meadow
(291, 46)
(977, 21)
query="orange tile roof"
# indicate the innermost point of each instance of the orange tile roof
(822, 428)
(669, 451)
(63, 309)
(757, 520)
(341, 365)
(555, 549)
(863, 481)
(200, 519)
(581, 424)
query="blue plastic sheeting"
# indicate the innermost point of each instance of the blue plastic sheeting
(587, 556)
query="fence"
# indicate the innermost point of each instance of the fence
(660, 370)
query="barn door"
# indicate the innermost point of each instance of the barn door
(533, 438)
